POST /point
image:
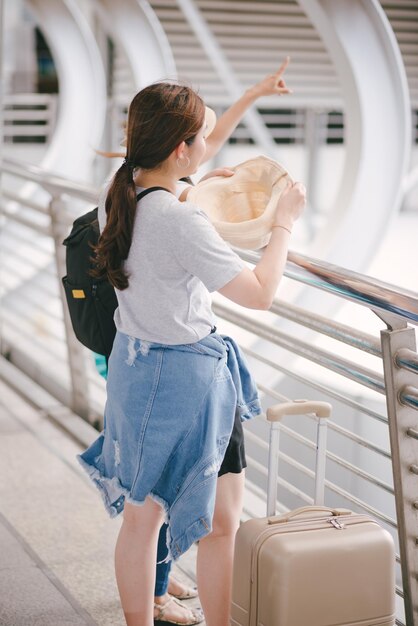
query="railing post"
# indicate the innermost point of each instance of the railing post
(403, 427)
(76, 356)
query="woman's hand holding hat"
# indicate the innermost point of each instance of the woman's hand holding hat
(290, 205)
(219, 171)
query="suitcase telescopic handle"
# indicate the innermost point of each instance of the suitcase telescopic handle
(322, 410)
(298, 407)
(279, 519)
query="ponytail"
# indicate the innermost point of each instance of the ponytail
(116, 238)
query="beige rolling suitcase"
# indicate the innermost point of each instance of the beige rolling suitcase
(313, 566)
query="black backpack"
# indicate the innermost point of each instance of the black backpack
(91, 301)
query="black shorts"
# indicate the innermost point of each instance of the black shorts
(234, 460)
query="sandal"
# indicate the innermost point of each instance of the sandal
(196, 616)
(186, 594)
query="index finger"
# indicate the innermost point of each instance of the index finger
(283, 66)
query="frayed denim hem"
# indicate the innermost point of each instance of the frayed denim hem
(114, 497)
(112, 492)
(194, 533)
(111, 488)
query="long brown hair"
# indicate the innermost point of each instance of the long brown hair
(160, 117)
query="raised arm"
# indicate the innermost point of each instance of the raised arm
(273, 84)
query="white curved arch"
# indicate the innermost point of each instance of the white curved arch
(137, 29)
(368, 62)
(82, 87)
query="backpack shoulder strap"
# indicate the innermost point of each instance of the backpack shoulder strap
(148, 190)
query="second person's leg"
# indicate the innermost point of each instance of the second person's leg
(174, 612)
(216, 551)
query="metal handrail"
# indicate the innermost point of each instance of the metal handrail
(323, 389)
(317, 355)
(353, 286)
(325, 326)
(53, 182)
(370, 292)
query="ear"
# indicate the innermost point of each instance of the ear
(179, 150)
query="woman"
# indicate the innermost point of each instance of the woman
(174, 385)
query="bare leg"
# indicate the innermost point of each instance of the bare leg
(135, 556)
(216, 551)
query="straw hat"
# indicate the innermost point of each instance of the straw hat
(242, 207)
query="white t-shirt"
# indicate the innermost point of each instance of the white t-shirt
(175, 260)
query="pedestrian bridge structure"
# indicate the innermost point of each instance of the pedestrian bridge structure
(334, 332)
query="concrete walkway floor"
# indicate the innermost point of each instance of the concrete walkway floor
(56, 540)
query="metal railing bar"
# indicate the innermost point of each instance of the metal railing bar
(61, 359)
(46, 269)
(37, 307)
(333, 426)
(299, 466)
(44, 230)
(271, 392)
(325, 326)
(412, 432)
(34, 206)
(60, 353)
(281, 482)
(305, 470)
(326, 391)
(256, 439)
(339, 460)
(48, 295)
(15, 289)
(50, 181)
(46, 351)
(367, 291)
(46, 259)
(291, 488)
(8, 245)
(360, 441)
(260, 494)
(366, 507)
(361, 473)
(326, 359)
(408, 359)
(295, 464)
(371, 510)
(329, 455)
(409, 396)
(363, 290)
(23, 328)
(45, 243)
(337, 428)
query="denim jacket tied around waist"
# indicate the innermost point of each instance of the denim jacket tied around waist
(168, 419)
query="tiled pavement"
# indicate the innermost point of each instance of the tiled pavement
(56, 541)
